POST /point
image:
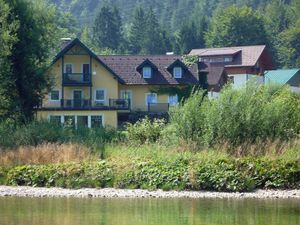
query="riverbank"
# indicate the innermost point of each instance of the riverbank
(6, 191)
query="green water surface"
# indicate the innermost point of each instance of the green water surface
(63, 211)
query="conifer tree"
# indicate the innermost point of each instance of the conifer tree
(137, 31)
(107, 28)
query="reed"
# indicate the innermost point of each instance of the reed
(48, 153)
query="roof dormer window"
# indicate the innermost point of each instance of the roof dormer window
(147, 72)
(177, 72)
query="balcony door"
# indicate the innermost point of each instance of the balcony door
(86, 72)
(77, 98)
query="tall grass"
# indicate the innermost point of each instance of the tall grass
(46, 154)
(39, 132)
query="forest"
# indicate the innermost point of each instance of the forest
(156, 27)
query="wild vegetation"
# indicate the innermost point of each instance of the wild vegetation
(202, 147)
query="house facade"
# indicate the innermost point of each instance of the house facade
(240, 63)
(92, 91)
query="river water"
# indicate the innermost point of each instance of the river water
(76, 211)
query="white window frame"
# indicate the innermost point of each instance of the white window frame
(54, 100)
(95, 95)
(65, 67)
(169, 98)
(62, 119)
(143, 71)
(123, 91)
(146, 97)
(174, 73)
(90, 120)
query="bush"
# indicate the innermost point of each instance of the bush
(74, 175)
(180, 173)
(144, 131)
(39, 132)
(247, 115)
(160, 174)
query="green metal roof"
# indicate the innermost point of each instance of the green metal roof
(280, 76)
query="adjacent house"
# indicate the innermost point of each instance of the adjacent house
(240, 63)
(93, 91)
(289, 77)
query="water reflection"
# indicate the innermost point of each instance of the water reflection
(63, 211)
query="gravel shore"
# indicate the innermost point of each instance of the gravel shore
(125, 193)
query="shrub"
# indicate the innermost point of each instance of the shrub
(73, 175)
(182, 172)
(238, 116)
(144, 131)
(38, 132)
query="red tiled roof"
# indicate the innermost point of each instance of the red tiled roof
(126, 68)
(248, 55)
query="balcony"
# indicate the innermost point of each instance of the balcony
(158, 107)
(87, 104)
(77, 79)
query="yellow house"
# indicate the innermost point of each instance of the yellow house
(93, 91)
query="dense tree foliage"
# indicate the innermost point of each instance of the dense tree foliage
(236, 26)
(28, 34)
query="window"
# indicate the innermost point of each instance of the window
(126, 94)
(100, 96)
(151, 98)
(55, 119)
(69, 121)
(82, 121)
(173, 100)
(177, 72)
(54, 95)
(228, 59)
(68, 68)
(96, 121)
(147, 72)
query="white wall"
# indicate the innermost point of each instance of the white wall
(240, 80)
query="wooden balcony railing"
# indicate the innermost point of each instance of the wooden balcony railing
(76, 79)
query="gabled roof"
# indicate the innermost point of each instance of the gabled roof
(146, 62)
(179, 63)
(283, 76)
(75, 42)
(213, 71)
(126, 67)
(218, 52)
(247, 55)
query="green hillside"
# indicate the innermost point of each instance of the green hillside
(171, 13)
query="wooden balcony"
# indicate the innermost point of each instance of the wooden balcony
(77, 79)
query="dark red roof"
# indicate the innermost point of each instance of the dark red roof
(125, 66)
(214, 72)
(247, 56)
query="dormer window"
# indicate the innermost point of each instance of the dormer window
(177, 72)
(147, 72)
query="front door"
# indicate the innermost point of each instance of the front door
(77, 97)
(86, 72)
